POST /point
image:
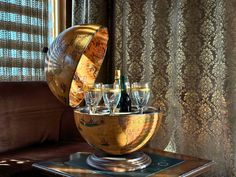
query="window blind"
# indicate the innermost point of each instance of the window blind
(23, 34)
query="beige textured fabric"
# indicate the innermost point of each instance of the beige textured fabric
(187, 50)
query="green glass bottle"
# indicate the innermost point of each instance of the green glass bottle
(125, 100)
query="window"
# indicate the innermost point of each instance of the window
(24, 31)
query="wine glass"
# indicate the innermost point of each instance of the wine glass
(111, 96)
(92, 96)
(128, 88)
(141, 95)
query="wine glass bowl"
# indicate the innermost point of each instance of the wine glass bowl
(141, 94)
(92, 96)
(111, 96)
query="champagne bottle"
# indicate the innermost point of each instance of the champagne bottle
(125, 100)
(117, 82)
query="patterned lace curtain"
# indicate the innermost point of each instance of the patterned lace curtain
(23, 34)
(187, 51)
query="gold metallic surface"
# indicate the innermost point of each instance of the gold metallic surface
(131, 162)
(73, 60)
(118, 134)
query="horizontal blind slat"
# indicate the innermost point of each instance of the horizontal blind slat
(6, 35)
(21, 74)
(25, 3)
(11, 44)
(24, 54)
(27, 11)
(33, 29)
(21, 19)
(21, 63)
(10, 78)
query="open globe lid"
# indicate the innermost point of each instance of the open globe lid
(74, 60)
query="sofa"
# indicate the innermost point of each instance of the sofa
(34, 127)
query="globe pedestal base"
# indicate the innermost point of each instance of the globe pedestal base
(121, 163)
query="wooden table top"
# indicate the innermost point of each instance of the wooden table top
(191, 166)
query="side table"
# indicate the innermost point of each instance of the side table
(190, 166)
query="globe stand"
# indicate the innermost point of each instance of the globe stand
(119, 163)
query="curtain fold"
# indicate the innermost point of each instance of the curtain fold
(186, 50)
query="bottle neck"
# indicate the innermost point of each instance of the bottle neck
(117, 74)
(117, 80)
(123, 81)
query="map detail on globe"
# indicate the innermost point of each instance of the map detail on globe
(117, 134)
(74, 60)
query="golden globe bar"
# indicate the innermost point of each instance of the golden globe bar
(78, 53)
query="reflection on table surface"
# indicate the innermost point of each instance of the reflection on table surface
(163, 163)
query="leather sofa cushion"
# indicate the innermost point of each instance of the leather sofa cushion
(29, 114)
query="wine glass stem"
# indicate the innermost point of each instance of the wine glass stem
(93, 109)
(111, 111)
(90, 110)
(141, 110)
